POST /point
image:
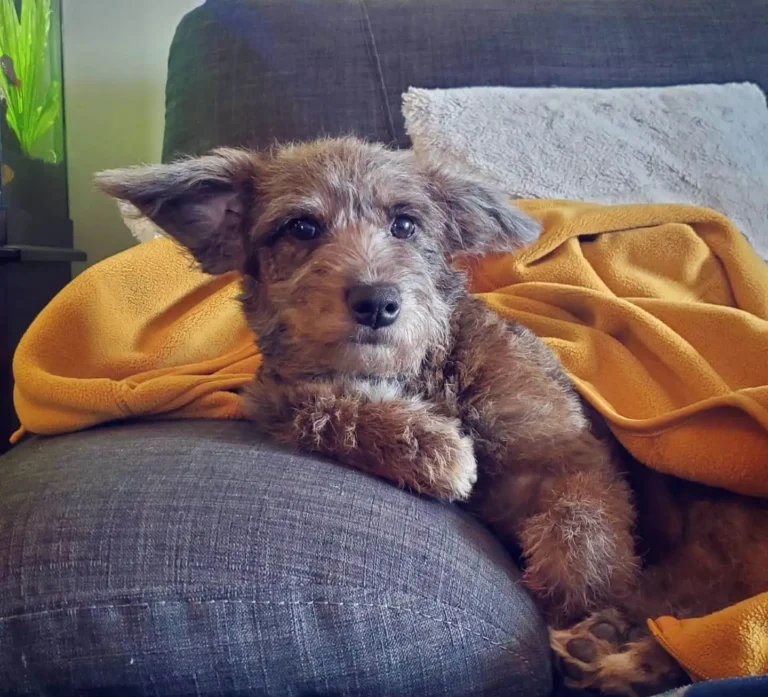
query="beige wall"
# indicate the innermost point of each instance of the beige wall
(115, 55)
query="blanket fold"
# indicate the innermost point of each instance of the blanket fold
(140, 334)
(659, 313)
(729, 643)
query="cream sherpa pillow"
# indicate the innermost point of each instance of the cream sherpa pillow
(697, 144)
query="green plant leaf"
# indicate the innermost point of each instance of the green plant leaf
(46, 114)
(32, 107)
(9, 28)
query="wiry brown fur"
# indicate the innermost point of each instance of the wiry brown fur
(451, 399)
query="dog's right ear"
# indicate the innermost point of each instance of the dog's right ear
(204, 203)
(481, 219)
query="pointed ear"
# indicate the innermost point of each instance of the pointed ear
(204, 203)
(481, 219)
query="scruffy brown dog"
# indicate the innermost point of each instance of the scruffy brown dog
(375, 354)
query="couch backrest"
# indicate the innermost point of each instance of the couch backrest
(252, 72)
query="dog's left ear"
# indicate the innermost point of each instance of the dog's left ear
(480, 218)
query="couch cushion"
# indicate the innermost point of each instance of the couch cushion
(190, 558)
(695, 144)
(252, 71)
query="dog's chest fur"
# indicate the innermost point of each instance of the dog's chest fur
(438, 384)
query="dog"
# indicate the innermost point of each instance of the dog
(375, 354)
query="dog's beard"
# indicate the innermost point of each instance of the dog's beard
(398, 350)
(303, 350)
(373, 355)
(364, 336)
(385, 353)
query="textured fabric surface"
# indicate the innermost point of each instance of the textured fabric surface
(659, 314)
(731, 642)
(253, 71)
(140, 333)
(702, 144)
(737, 687)
(190, 559)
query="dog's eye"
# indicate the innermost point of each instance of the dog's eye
(403, 226)
(302, 228)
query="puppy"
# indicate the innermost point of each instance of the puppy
(375, 355)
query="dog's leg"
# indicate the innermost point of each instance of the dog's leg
(572, 516)
(578, 546)
(546, 482)
(401, 440)
(607, 653)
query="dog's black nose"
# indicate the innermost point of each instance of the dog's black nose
(376, 305)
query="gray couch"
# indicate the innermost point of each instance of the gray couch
(192, 558)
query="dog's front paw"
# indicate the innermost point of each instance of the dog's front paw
(465, 474)
(446, 467)
(461, 475)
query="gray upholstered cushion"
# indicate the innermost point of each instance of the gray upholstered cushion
(190, 558)
(253, 71)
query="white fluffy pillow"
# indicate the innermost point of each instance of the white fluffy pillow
(141, 227)
(697, 144)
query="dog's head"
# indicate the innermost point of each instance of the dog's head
(344, 246)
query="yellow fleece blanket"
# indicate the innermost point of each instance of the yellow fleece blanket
(658, 312)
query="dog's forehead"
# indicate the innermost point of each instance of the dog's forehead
(342, 172)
